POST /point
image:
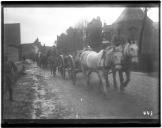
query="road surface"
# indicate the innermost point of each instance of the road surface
(140, 99)
(38, 95)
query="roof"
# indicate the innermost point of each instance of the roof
(130, 14)
(27, 44)
(12, 34)
(107, 28)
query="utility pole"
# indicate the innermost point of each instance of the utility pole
(142, 30)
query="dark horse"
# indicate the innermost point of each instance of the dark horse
(10, 77)
(52, 61)
(43, 60)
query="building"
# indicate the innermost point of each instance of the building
(128, 26)
(31, 48)
(12, 41)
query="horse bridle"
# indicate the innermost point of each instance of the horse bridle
(129, 53)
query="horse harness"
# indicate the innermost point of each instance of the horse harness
(110, 55)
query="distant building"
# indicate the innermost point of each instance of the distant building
(31, 48)
(12, 41)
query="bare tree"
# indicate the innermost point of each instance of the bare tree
(82, 26)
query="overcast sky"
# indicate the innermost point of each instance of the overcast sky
(47, 23)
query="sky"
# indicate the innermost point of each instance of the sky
(47, 23)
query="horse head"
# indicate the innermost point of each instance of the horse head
(117, 59)
(132, 51)
(113, 57)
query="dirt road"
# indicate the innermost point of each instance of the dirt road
(55, 98)
(140, 99)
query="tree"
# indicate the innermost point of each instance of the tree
(94, 33)
(71, 41)
(81, 27)
(76, 38)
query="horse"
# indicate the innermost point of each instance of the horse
(52, 61)
(90, 62)
(43, 60)
(130, 56)
(105, 59)
(112, 61)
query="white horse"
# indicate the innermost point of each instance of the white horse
(106, 59)
(90, 62)
(130, 56)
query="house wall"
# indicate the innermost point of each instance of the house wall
(131, 30)
(27, 49)
(12, 41)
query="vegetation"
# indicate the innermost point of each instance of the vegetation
(82, 35)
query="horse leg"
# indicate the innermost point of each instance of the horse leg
(121, 80)
(99, 77)
(127, 72)
(54, 70)
(51, 69)
(114, 78)
(104, 86)
(88, 77)
(83, 70)
(106, 78)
